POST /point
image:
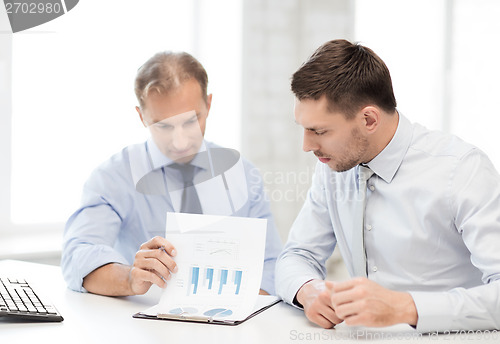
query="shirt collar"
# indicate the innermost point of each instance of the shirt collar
(387, 162)
(147, 158)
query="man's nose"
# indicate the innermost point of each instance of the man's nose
(180, 139)
(309, 143)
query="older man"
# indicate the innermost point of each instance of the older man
(114, 243)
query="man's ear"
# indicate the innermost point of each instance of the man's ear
(371, 118)
(138, 109)
(209, 103)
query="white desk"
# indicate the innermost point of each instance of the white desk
(99, 319)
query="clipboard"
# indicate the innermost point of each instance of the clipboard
(263, 303)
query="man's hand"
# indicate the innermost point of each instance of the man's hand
(363, 302)
(153, 264)
(314, 296)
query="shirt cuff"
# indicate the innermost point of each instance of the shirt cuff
(291, 274)
(434, 311)
(267, 282)
(289, 296)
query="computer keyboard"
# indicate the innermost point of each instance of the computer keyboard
(18, 300)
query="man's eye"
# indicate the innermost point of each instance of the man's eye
(164, 126)
(319, 133)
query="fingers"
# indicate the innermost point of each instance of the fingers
(349, 309)
(326, 310)
(153, 262)
(323, 316)
(322, 321)
(343, 286)
(329, 286)
(142, 280)
(326, 317)
(159, 242)
(349, 291)
(364, 302)
(344, 296)
(149, 259)
(317, 305)
(340, 298)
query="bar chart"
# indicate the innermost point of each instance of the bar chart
(205, 281)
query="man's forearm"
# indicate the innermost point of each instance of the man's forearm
(111, 279)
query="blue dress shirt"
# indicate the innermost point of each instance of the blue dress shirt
(126, 199)
(432, 227)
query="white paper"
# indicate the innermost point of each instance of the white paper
(220, 261)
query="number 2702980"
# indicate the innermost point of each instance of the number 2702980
(32, 8)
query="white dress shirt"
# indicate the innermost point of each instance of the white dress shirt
(432, 228)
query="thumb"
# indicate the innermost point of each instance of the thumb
(329, 286)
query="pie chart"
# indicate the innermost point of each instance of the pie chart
(218, 312)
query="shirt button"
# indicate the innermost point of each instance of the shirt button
(369, 227)
(372, 187)
(374, 269)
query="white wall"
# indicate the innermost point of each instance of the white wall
(278, 36)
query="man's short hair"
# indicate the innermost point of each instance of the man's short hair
(351, 77)
(166, 71)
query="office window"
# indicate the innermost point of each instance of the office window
(442, 55)
(412, 48)
(475, 74)
(73, 103)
